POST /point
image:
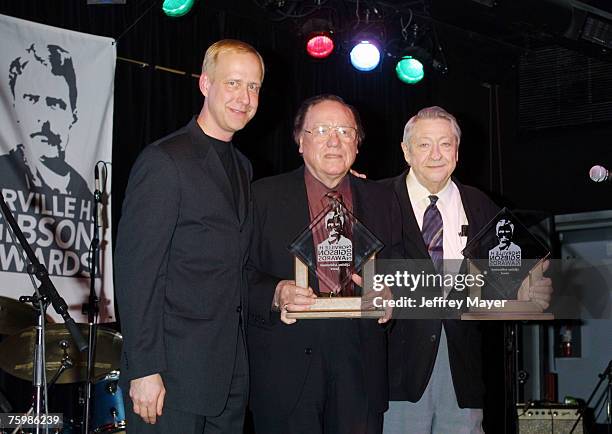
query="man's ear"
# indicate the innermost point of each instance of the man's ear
(300, 148)
(204, 83)
(75, 118)
(457, 152)
(406, 151)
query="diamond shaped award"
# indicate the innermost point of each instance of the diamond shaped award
(334, 247)
(508, 255)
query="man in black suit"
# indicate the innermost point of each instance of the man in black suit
(435, 370)
(325, 375)
(181, 252)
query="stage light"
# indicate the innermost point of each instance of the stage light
(365, 56)
(410, 70)
(320, 46)
(317, 33)
(177, 8)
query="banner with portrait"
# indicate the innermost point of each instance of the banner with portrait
(56, 112)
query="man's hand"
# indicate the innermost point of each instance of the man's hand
(147, 395)
(537, 288)
(357, 174)
(368, 299)
(288, 296)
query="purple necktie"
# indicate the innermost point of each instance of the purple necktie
(432, 233)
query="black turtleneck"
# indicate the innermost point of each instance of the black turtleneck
(226, 153)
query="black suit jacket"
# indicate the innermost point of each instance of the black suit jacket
(279, 354)
(413, 344)
(181, 251)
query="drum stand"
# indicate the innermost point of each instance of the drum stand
(44, 294)
(66, 363)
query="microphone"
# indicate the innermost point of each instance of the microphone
(600, 174)
(97, 178)
(98, 196)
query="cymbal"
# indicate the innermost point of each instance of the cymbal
(15, 316)
(16, 353)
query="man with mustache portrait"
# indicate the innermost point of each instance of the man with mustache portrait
(44, 90)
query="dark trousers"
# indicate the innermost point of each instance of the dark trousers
(334, 398)
(230, 421)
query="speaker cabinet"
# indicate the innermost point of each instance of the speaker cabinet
(549, 420)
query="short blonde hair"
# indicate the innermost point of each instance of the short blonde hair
(433, 112)
(228, 46)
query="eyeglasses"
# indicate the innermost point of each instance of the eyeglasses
(323, 131)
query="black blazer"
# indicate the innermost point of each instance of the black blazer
(413, 344)
(181, 251)
(279, 354)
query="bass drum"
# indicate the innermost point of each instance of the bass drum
(108, 411)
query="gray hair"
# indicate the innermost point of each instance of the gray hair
(434, 112)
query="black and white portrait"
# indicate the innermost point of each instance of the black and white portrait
(56, 112)
(43, 85)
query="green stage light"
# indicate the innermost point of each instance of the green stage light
(177, 8)
(409, 70)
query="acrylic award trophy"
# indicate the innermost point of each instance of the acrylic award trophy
(334, 247)
(509, 258)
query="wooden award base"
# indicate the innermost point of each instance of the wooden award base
(332, 307)
(336, 307)
(512, 310)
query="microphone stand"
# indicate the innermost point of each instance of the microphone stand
(66, 363)
(510, 370)
(44, 294)
(605, 375)
(91, 307)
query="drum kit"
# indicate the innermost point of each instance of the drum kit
(64, 363)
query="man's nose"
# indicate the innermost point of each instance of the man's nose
(435, 153)
(244, 97)
(39, 112)
(333, 138)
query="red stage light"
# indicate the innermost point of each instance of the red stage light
(320, 46)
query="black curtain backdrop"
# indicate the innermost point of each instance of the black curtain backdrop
(150, 103)
(527, 170)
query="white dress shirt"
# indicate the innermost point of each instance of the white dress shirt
(453, 217)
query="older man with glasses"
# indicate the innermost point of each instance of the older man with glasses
(326, 375)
